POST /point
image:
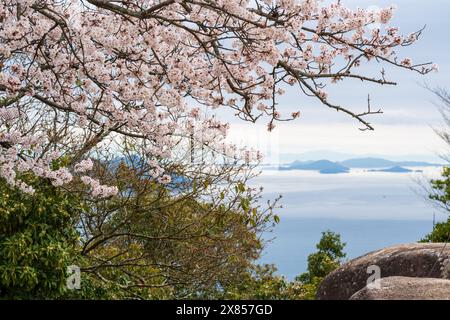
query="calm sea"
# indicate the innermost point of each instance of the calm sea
(370, 210)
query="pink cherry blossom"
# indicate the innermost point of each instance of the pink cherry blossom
(78, 76)
(83, 166)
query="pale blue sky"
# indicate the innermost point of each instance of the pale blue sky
(404, 130)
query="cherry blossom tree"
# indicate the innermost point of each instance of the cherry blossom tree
(186, 237)
(78, 76)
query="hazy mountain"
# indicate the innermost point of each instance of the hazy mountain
(383, 163)
(368, 163)
(395, 169)
(378, 164)
(417, 164)
(287, 158)
(315, 156)
(323, 166)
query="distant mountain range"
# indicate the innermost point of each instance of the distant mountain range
(335, 156)
(323, 166)
(376, 164)
(383, 163)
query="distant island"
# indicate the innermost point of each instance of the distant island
(395, 169)
(370, 163)
(375, 164)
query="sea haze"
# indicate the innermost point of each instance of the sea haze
(370, 210)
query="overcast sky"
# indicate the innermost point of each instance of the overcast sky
(405, 130)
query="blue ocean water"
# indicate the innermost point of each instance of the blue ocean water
(295, 238)
(370, 210)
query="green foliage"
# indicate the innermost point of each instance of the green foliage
(112, 286)
(440, 233)
(441, 189)
(331, 245)
(328, 258)
(262, 282)
(37, 240)
(441, 195)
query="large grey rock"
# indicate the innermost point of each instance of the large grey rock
(406, 288)
(424, 260)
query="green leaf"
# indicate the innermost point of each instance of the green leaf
(276, 219)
